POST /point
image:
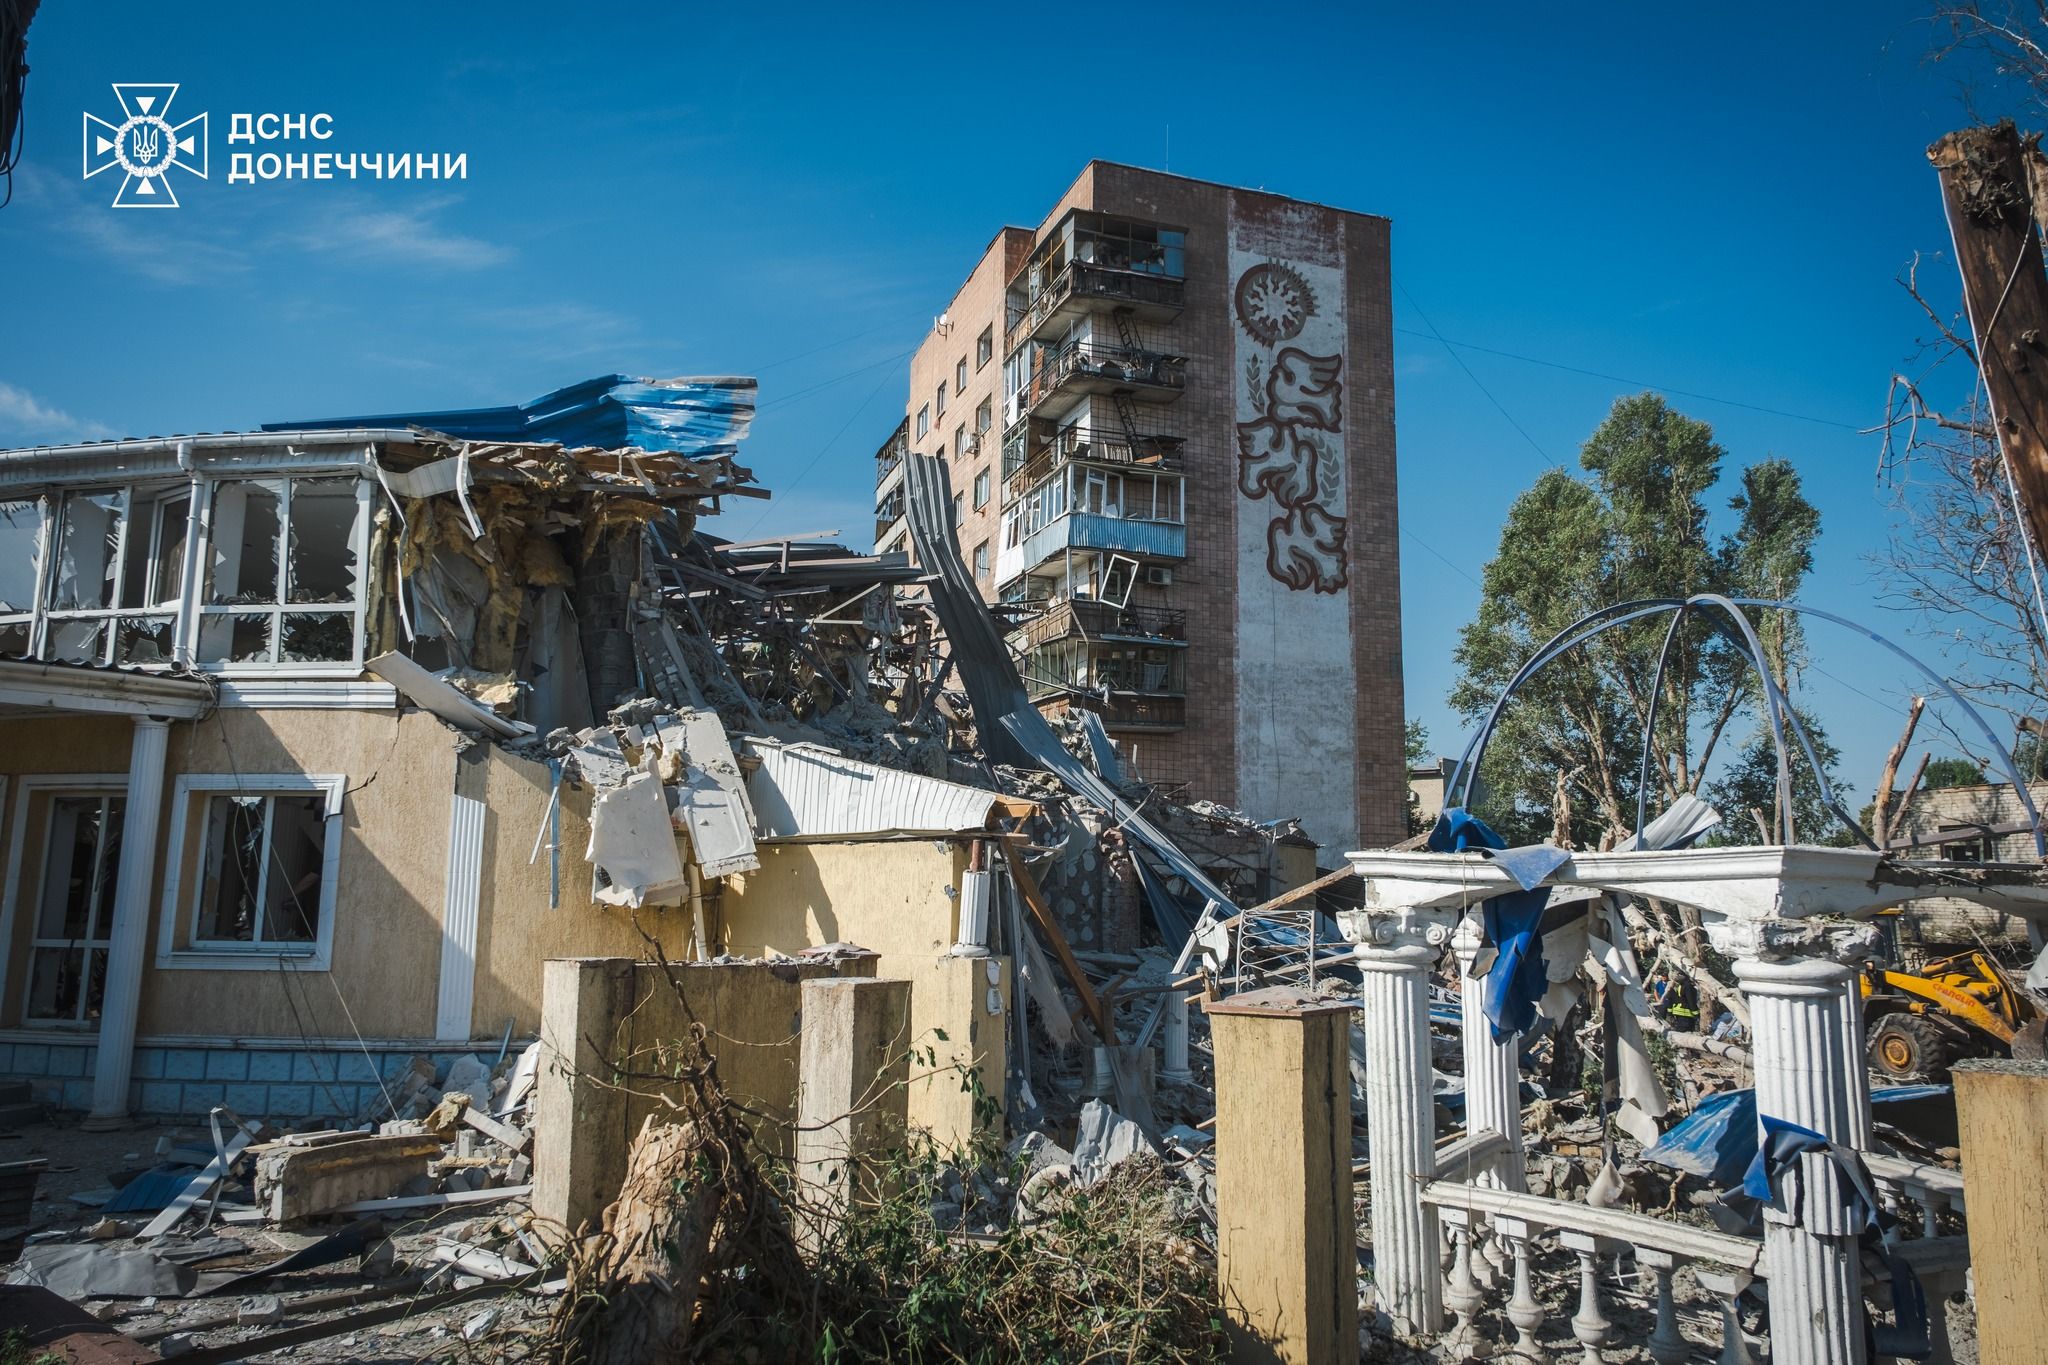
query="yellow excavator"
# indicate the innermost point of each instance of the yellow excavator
(1919, 1023)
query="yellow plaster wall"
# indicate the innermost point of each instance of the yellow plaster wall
(394, 830)
(889, 896)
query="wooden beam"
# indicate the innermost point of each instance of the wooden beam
(1985, 188)
(1041, 914)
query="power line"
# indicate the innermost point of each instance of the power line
(1452, 352)
(828, 346)
(1456, 346)
(845, 427)
(1448, 562)
(788, 398)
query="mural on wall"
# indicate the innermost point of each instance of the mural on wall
(1291, 447)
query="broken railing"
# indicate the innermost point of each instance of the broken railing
(1786, 918)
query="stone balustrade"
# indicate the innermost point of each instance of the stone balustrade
(1457, 1230)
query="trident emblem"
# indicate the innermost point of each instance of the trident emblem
(145, 145)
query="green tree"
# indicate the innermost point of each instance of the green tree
(1636, 526)
(1951, 772)
(1415, 742)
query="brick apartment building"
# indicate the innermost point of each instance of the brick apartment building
(1168, 415)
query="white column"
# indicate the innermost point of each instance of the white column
(128, 938)
(1400, 1130)
(1857, 1063)
(1493, 1078)
(1798, 1018)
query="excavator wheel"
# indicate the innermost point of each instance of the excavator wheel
(1910, 1047)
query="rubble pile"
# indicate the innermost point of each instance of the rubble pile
(395, 1237)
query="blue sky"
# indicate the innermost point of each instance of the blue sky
(1716, 201)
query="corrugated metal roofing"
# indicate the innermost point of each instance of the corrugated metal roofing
(805, 792)
(699, 416)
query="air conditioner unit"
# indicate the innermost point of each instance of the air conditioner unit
(1158, 576)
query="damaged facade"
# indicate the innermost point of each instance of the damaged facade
(319, 741)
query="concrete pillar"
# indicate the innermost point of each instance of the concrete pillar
(1493, 1077)
(1400, 1120)
(1798, 1018)
(852, 1090)
(579, 1118)
(128, 937)
(1285, 1239)
(1175, 1068)
(2002, 1107)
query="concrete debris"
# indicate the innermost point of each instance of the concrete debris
(295, 1182)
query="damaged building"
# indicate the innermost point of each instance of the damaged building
(1167, 416)
(320, 740)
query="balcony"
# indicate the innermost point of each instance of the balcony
(1128, 710)
(1080, 368)
(1086, 619)
(888, 509)
(1083, 288)
(1093, 531)
(889, 458)
(1143, 450)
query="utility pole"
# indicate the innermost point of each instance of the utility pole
(1987, 176)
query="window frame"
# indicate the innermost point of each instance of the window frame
(177, 948)
(924, 422)
(984, 347)
(187, 613)
(982, 483)
(200, 610)
(960, 377)
(106, 789)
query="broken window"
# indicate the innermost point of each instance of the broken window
(21, 539)
(984, 416)
(262, 870)
(283, 581)
(68, 955)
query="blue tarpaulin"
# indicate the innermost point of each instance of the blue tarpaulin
(1517, 978)
(701, 417)
(1717, 1141)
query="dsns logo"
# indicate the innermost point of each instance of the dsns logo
(145, 145)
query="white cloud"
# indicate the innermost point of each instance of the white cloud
(407, 235)
(24, 418)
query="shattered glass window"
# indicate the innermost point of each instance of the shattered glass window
(326, 637)
(285, 557)
(87, 548)
(247, 516)
(21, 530)
(241, 638)
(143, 639)
(322, 555)
(261, 869)
(68, 956)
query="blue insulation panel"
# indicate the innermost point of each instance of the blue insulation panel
(698, 417)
